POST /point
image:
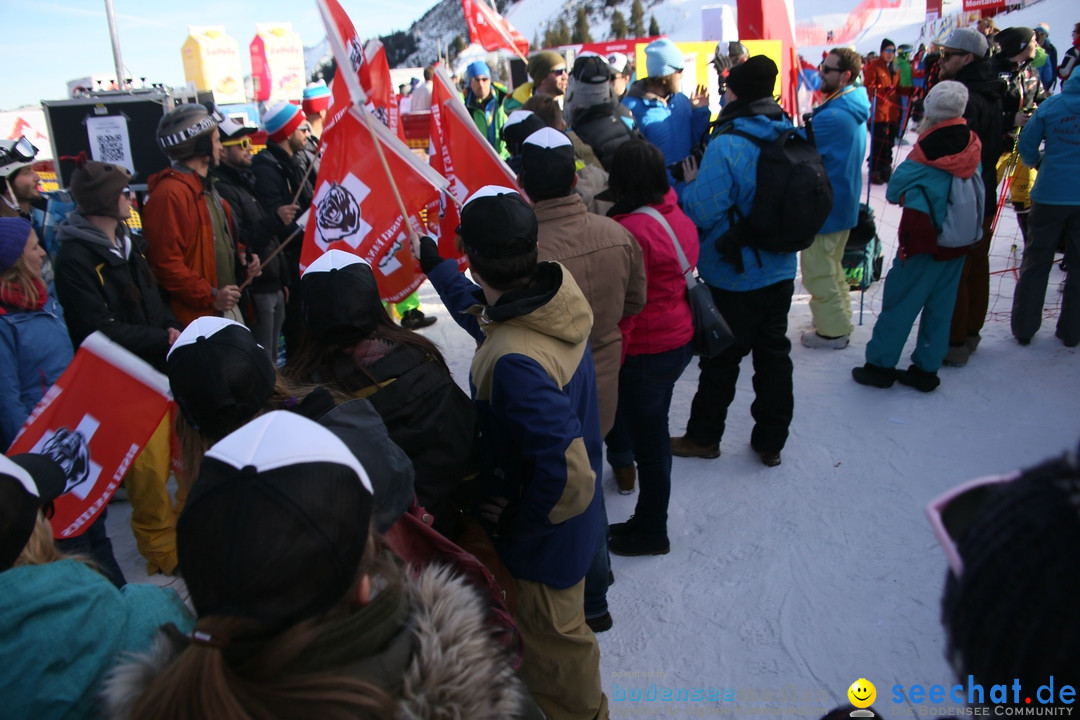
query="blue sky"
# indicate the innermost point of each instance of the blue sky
(48, 42)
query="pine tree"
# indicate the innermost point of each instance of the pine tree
(654, 27)
(458, 45)
(611, 3)
(581, 28)
(536, 40)
(563, 32)
(618, 25)
(637, 19)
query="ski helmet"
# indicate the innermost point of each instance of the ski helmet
(185, 131)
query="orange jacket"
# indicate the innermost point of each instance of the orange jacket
(881, 85)
(180, 242)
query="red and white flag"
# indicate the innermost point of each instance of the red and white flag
(491, 30)
(370, 68)
(94, 421)
(354, 208)
(463, 156)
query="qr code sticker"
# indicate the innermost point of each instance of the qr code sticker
(110, 148)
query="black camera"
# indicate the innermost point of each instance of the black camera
(676, 169)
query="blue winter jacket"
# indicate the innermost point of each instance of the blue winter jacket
(728, 176)
(64, 627)
(1057, 120)
(674, 126)
(534, 386)
(840, 135)
(34, 350)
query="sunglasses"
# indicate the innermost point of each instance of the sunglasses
(243, 143)
(306, 127)
(952, 514)
(946, 54)
(560, 71)
(127, 192)
(826, 69)
(23, 150)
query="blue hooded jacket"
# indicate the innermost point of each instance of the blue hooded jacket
(1057, 120)
(840, 135)
(728, 176)
(674, 126)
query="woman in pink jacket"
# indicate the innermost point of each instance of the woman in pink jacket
(656, 343)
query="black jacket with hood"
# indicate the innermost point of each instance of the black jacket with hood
(100, 289)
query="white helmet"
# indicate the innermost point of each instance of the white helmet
(15, 155)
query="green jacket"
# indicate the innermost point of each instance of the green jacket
(491, 130)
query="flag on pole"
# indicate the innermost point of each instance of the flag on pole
(370, 69)
(463, 156)
(376, 83)
(354, 208)
(491, 30)
(94, 421)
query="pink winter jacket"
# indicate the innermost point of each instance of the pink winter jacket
(665, 323)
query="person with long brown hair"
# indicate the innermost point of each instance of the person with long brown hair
(350, 344)
(222, 378)
(301, 612)
(34, 344)
(657, 342)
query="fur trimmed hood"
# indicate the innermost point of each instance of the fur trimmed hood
(456, 670)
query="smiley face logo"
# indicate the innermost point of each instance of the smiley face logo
(862, 693)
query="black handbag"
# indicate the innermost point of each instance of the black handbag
(711, 332)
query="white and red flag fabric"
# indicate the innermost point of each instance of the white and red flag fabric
(463, 156)
(94, 421)
(355, 208)
(491, 30)
(369, 66)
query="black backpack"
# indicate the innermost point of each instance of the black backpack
(792, 200)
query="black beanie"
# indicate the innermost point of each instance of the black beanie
(1012, 41)
(754, 79)
(886, 43)
(96, 187)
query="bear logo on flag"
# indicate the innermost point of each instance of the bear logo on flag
(338, 212)
(70, 450)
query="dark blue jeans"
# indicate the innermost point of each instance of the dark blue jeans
(646, 383)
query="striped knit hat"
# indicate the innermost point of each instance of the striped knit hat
(281, 119)
(316, 97)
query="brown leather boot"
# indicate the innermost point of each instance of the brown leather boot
(624, 479)
(685, 447)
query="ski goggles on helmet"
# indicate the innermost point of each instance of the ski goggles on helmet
(16, 154)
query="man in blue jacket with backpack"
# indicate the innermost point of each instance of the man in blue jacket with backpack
(752, 287)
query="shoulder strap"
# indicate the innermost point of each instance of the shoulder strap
(688, 272)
